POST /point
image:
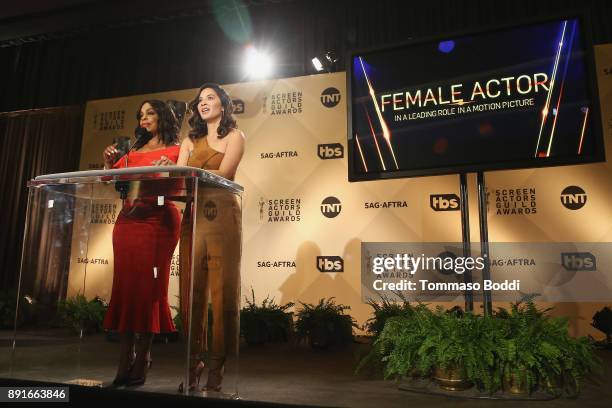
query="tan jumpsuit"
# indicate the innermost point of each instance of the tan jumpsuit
(217, 250)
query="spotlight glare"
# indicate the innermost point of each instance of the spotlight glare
(257, 64)
(317, 64)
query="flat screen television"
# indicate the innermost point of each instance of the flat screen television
(513, 97)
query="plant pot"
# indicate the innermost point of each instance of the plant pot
(516, 382)
(452, 378)
(256, 334)
(320, 337)
(414, 374)
(553, 385)
(279, 329)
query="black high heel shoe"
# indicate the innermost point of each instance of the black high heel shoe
(195, 372)
(119, 381)
(130, 381)
(122, 380)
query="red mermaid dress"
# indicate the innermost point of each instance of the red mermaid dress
(144, 238)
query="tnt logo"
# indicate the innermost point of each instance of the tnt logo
(238, 105)
(573, 198)
(331, 207)
(210, 210)
(330, 151)
(578, 261)
(444, 202)
(330, 97)
(330, 264)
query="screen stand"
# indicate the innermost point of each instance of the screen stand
(484, 241)
(465, 236)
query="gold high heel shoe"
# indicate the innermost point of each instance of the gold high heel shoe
(215, 373)
(195, 372)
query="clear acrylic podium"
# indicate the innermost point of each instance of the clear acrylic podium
(67, 267)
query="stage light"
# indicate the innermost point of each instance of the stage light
(331, 58)
(446, 46)
(317, 64)
(326, 63)
(257, 64)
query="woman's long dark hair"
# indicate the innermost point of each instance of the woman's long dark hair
(167, 125)
(198, 125)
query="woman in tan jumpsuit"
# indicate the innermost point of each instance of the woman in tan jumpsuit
(216, 145)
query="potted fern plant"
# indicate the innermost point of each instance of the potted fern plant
(517, 350)
(266, 322)
(455, 349)
(462, 347)
(325, 324)
(82, 315)
(537, 351)
(397, 347)
(384, 310)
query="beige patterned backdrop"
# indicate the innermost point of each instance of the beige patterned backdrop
(301, 215)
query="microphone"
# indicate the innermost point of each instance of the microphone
(142, 137)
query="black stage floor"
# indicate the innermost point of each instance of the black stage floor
(272, 374)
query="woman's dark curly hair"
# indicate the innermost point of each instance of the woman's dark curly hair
(198, 125)
(167, 124)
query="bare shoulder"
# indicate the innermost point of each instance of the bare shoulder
(236, 134)
(187, 143)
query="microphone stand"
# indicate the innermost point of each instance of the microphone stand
(124, 187)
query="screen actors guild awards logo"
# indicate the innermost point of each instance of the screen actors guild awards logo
(573, 197)
(280, 209)
(516, 201)
(113, 120)
(284, 103)
(262, 203)
(103, 213)
(330, 97)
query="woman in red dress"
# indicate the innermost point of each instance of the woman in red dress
(144, 238)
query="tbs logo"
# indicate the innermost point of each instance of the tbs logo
(330, 264)
(331, 207)
(578, 261)
(330, 97)
(210, 210)
(444, 202)
(573, 198)
(238, 106)
(330, 151)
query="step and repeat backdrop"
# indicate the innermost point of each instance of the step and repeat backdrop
(304, 223)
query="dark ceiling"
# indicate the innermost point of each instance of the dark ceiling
(66, 52)
(35, 20)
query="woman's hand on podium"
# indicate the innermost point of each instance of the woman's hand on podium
(110, 155)
(163, 161)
